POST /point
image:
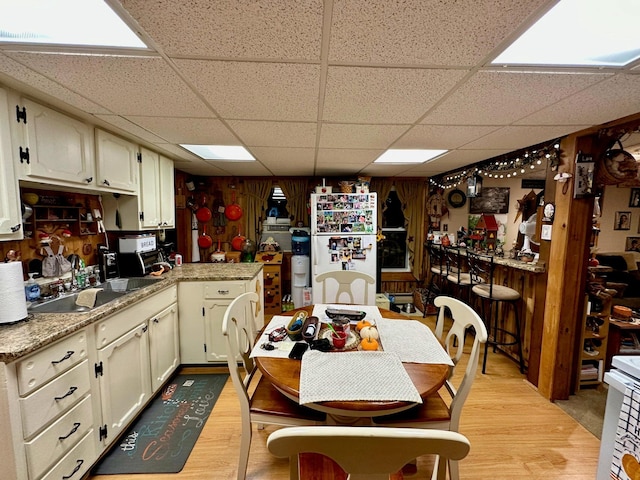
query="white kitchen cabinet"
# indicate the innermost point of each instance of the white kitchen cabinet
(47, 411)
(11, 227)
(116, 163)
(52, 148)
(153, 207)
(126, 354)
(167, 193)
(125, 379)
(201, 308)
(164, 345)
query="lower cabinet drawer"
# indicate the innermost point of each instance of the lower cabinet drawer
(223, 289)
(48, 447)
(54, 399)
(77, 462)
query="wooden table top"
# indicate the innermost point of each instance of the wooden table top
(284, 374)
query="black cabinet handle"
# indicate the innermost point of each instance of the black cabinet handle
(89, 180)
(70, 392)
(75, 428)
(106, 182)
(66, 357)
(15, 228)
(75, 470)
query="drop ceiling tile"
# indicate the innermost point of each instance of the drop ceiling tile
(124, 85)
(456, 159)
(30, 79)
(350, 157)
(275, 134)
(595, 105)
(197, 131)
(380, 170)
(423, 32)
(441, 136)
(499, 98)
(384, 95)
(244, 169)
(179, 152)
(281, 160)
(517, 137)
(123, 125)
(333, 135)
(274, 29)
(257, 91)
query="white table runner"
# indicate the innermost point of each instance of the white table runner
(412, 341)
(626, 450)
(353, 376)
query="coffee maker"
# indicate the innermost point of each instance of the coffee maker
(108, 262)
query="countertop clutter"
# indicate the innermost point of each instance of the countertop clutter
(41, 329)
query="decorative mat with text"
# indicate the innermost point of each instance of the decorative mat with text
(161, 438)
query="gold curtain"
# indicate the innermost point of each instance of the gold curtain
(382, 186)
(297, 192)
(412, 195)
(257, 193)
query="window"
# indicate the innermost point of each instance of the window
(393, 253)
(277, 204)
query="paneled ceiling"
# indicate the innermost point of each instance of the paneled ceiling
(322, 88)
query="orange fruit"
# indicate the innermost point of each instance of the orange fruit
(369, 344)
(361, 324)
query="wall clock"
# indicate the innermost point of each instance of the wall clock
(548, 212)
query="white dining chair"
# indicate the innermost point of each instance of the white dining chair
(435, 412)
(367, 453)
(262, 404)
(347, 282)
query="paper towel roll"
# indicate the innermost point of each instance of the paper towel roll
(12, 299)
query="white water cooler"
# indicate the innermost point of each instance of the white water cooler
(300, 267)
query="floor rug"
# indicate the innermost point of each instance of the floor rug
(161, 438)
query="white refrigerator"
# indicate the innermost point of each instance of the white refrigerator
(343, 237)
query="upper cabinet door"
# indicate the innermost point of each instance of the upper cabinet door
(55, 148)
(149, 189)
(10, 214)
(167, 195)
(117, 163)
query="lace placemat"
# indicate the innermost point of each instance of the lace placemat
(412, 341)
(352, 376)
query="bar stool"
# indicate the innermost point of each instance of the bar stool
(438, 267)
(481, 269)
(457, 277)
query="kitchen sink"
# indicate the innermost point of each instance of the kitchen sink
(67, 304)
(111, 290)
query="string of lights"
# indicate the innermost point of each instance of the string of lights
(505, 166)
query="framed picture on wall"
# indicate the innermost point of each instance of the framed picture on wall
(493, 200)
(622, 221)
(633, 244)
(634, 199)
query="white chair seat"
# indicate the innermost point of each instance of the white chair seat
(496, 292)
(460, 278)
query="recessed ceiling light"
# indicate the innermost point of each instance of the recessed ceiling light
(408, 156)
(64, 22)
(221, 152)
(580, 33)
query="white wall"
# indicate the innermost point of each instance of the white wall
(460, 216)
(616, 200)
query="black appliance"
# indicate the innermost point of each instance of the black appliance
(108, 262)
(137, 264)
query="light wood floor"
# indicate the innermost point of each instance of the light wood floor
(514, 432)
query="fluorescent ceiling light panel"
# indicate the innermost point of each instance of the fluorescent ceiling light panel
(221, 152)
(581, 33)
(408, 156)
(64, 22)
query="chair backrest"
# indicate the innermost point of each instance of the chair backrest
(348, 282)
(436, 257)
(371, 453)
(453, 262)
(238, 328)
(481, 268)
(464, 317)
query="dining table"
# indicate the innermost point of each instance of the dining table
(285, 373)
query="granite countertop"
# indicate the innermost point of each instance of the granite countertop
(511, 263)
(41, 329)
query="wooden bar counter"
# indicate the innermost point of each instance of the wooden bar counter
(530, 280)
